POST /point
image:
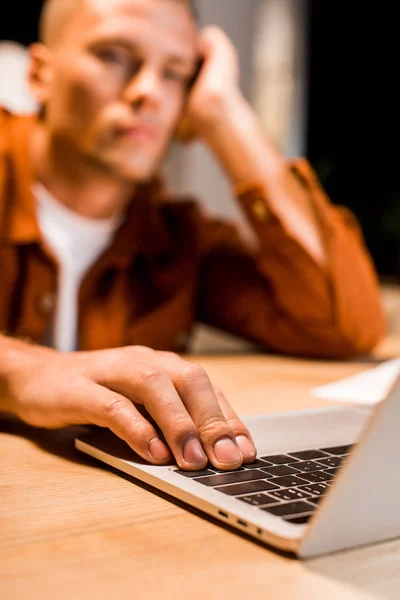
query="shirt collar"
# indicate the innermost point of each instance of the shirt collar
(20, 219)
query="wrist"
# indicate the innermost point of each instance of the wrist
(222, 111)
(237, 141)
(16, 357)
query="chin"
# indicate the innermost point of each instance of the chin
(133, 169)
(136, 175)
(130, 173)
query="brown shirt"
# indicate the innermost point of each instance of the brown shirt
(170, 266)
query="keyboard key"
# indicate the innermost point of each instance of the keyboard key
(289, 509)
(308, 466)
(219, 471)
(258, 499)
(332, 461)
(308, 454)
(236, 477)
(194, 473)
(339, 450)
(316, 476)
(246, 488)
(299, 520)
(288, 481)
(331, 472)
(279, 459)
(257, 464)
(316, 489)
(315, 500)
(290, 494)
(281, 470)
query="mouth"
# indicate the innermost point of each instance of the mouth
(140, 132)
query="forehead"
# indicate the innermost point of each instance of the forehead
(165, 23)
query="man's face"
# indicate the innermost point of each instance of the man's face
(119, 80)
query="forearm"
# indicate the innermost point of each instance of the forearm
(288, 304)
(280, 297)
(245, 154)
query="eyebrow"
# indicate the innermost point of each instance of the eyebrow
(175, 59)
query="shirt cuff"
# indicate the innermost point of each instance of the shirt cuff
(253, 198)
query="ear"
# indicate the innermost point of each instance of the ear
(40, 72)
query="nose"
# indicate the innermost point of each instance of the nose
(144, 88)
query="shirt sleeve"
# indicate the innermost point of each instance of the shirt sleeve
(277, 295)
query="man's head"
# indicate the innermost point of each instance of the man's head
(113, 76)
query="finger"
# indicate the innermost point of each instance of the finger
(151, 386)
(242, 434)
(194, 387)
(215, 41)
(109, 409)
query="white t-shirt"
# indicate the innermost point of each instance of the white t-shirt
(77, 242)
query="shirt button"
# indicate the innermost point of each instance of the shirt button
(260, 211)
(46, 303)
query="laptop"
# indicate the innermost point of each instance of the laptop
(324, 480)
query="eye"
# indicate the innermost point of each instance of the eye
(112, 56)
(174, 75)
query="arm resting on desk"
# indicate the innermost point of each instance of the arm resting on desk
(281, 296)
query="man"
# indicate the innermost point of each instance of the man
(104, 272)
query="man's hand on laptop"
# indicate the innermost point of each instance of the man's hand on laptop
(187, 416)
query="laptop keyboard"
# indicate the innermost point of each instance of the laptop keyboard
(289, 485)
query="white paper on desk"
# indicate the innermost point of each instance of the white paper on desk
(369, 387)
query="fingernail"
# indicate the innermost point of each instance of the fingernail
(158, 449)
(226, 451)
(246, 447)
(193, 452)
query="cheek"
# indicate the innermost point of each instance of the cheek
(173, 108)
(82, 93)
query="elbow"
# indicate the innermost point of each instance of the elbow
(348, 348)
(356, 339)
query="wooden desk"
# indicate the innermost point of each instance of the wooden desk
(72, 529)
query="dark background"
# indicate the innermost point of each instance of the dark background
(353, 117)
(352, 112)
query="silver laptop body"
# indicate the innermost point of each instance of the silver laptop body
(342, 462)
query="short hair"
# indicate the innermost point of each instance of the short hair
(55, 13)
